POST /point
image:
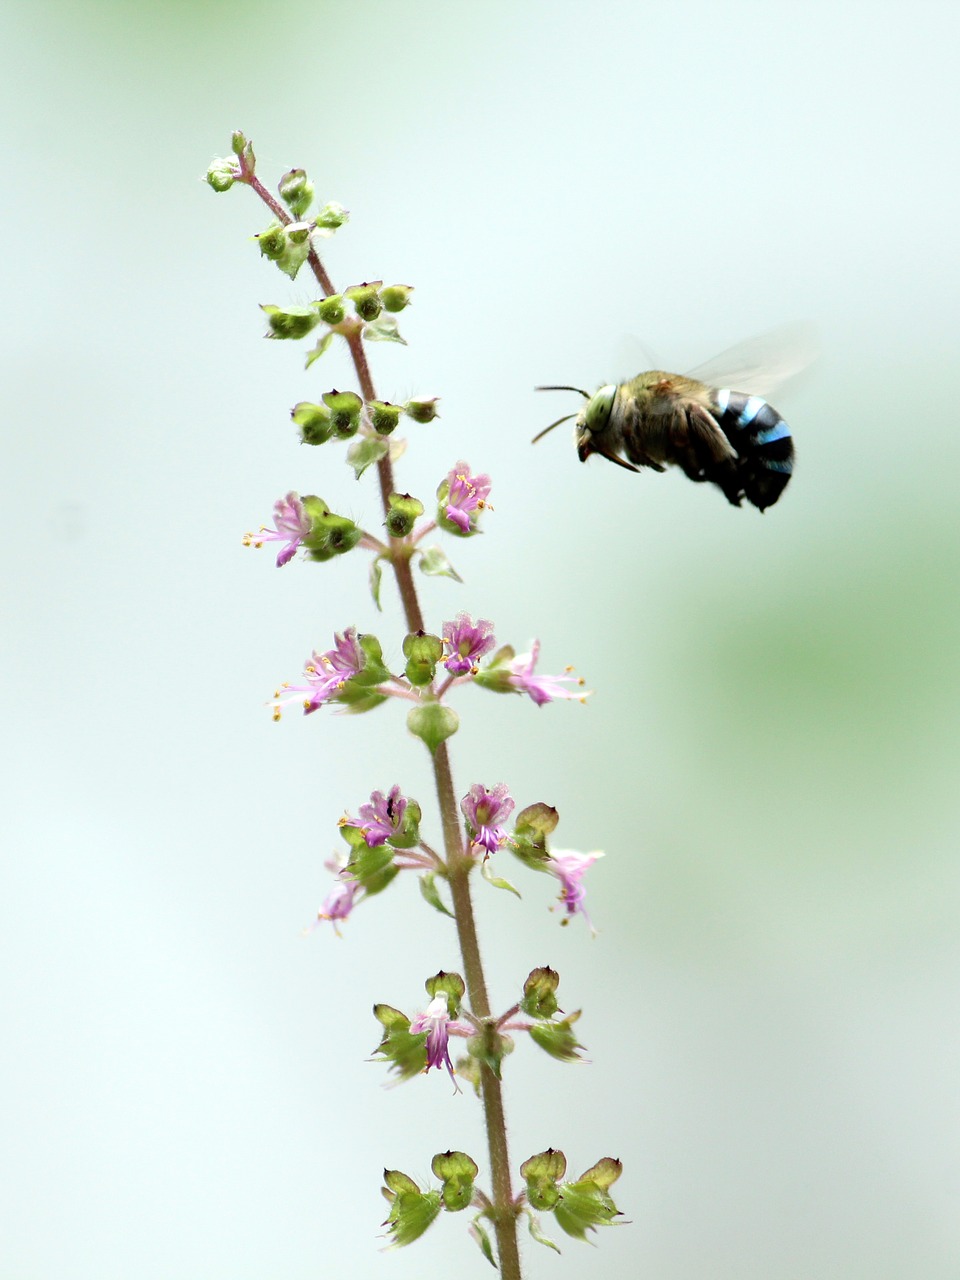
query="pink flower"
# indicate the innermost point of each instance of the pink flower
(326, 674)
(382, 817)
(466, 494)
(542, 688)
(570, 867)
(291, 526)
(437, 1023)
(466, 641)
(342, 898)
(483, 811)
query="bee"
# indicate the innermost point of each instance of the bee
(696, 421)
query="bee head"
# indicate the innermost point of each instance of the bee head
(593, 419)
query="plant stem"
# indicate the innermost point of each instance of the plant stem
(459, 862)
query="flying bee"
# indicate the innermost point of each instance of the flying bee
(733, 439)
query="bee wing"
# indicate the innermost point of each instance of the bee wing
(762, 364)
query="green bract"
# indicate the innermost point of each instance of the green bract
(432, 723)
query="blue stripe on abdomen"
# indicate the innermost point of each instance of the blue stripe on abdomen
(779, 431)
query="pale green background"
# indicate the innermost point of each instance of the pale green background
(770, 759)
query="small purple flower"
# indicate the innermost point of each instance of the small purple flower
(483, 811)
(465, 495)
(542, 688)
(342, 898)
(326, 674)
(436, 1022)
(570, 867)
(382, 817)
(291, 526)
(467, 641)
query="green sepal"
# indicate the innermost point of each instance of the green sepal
(288, 251)
(405, 1052)
(478, 1232)
(317, 351)
(296, 191)
(373, 866)
(434, 563)
(345, 409)
(222, 174)
(312, 419)
(450, 985)
(331, 309)
(290, 325)
(330, 535)
(272, 242)
(424, 410)
(373, 671)
(585, 1204)
(529, 841)
(396, 296)
(432, 723)
(431, 894)
(497, 881)
(365, 452)
(331, 217)
(383, 415)
(542, 1174)
(408, 836)
(458, 1172)
(376, 577)
(366, 299)
(443, 520)
(357, 700)
(495, 676)
(403, 510)
(422, 651)
(557, 1038)
(412, 1211)
(383, 330)
(536, 1232)
(540, 993)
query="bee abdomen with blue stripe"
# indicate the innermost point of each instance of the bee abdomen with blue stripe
(763, 443)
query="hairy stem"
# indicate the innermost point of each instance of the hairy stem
(459, 862)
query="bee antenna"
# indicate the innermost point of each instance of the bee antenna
(578, 390)
(541, 434)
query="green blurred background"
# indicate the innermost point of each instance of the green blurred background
(770, 758)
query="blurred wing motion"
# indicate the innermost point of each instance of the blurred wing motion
(760, 365)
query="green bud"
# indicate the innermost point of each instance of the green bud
(457, 1171)
(396, 296)
(293, 324)
(432, 723)
(222, 174)
(331, 217)
(422, 652)
(237, 143)
(585, 1205)
(296, 191)
(402, 514)
(450, 985)
(313, 421)
(422, 410)
(542, 1173)
(272, 242)
(539, 993)
(557, 1038)
(366, 299)
(248, 161)
(331, 310)
(345, 409)
(384, 417)
(412, 1211)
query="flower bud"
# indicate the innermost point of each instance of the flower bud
(313, 421)
(396, 296)
(296, 191)
(422, 652)
(422, 410)
(384, 416)
(238, 142)
(293, 324)
(331, 216)
(345, 409)
(366, 299)
(331, 310)
(222, 174)
(402, 514)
